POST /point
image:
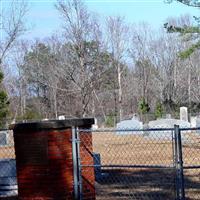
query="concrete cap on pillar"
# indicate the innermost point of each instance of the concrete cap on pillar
(53, 124)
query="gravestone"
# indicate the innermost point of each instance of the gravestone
(193, 121)
(95, 125)
(184, 113)
(198, 124)
(61, 117)
(3, 138)
(168, 116)
(45, 119)
(168, 123)
(133, 124)
(165, 123)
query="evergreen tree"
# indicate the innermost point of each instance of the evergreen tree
(195, 3)
(4, 104)
(143, 106)
(159, 111)
(192, 31)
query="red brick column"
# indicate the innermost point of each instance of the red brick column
(44, 159)
(86, 154)
(60, 164)
(44, 164)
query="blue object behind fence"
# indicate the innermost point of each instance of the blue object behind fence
(8, 179)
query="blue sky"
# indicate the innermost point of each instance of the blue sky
(43, 19)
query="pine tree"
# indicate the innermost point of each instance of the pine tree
(192, 31)
(4, 104)
(194, 3)
(159, 111)
(143, 106)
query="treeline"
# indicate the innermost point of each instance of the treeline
(103, 68)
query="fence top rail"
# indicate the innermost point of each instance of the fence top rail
(4, 129)
(189, 129)
(124, 130)
(136, 130)
(127, 129)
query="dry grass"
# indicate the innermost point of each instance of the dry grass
(145, 183)
(132, 149)
(140, 150)
(7, 152)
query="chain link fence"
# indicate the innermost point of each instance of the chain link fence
(8, 179)
(151, 164)
(191, 163)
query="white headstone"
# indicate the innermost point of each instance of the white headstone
(13, 121)
(166, 123)
(184, 113)
(193, 122)
(61, 117)
(95, 125)
(3, 138)
(133, 124)
(168, 116)
(45, 119)
(198, 124)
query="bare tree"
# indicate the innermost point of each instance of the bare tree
(80, 65)
(117, 34)
(141, 53)
(16, 83)
(12, 25)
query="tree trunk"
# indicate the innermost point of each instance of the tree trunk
(119, 74)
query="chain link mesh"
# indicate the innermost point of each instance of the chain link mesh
(127, 164)
(191, 163)
(8, 180)
(131, 164)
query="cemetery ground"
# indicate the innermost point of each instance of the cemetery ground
(145, 183)
(141, 183)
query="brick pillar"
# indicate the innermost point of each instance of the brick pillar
(44, 159)
(86, 154)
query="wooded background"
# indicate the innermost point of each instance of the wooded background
(107, 69)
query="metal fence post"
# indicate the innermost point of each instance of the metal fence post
(77, 169)
(75, 164)
(79, 166)
(175, 160)
(180, 175)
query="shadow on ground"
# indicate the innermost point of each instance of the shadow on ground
(143, 184)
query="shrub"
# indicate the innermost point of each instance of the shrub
(159, 110)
